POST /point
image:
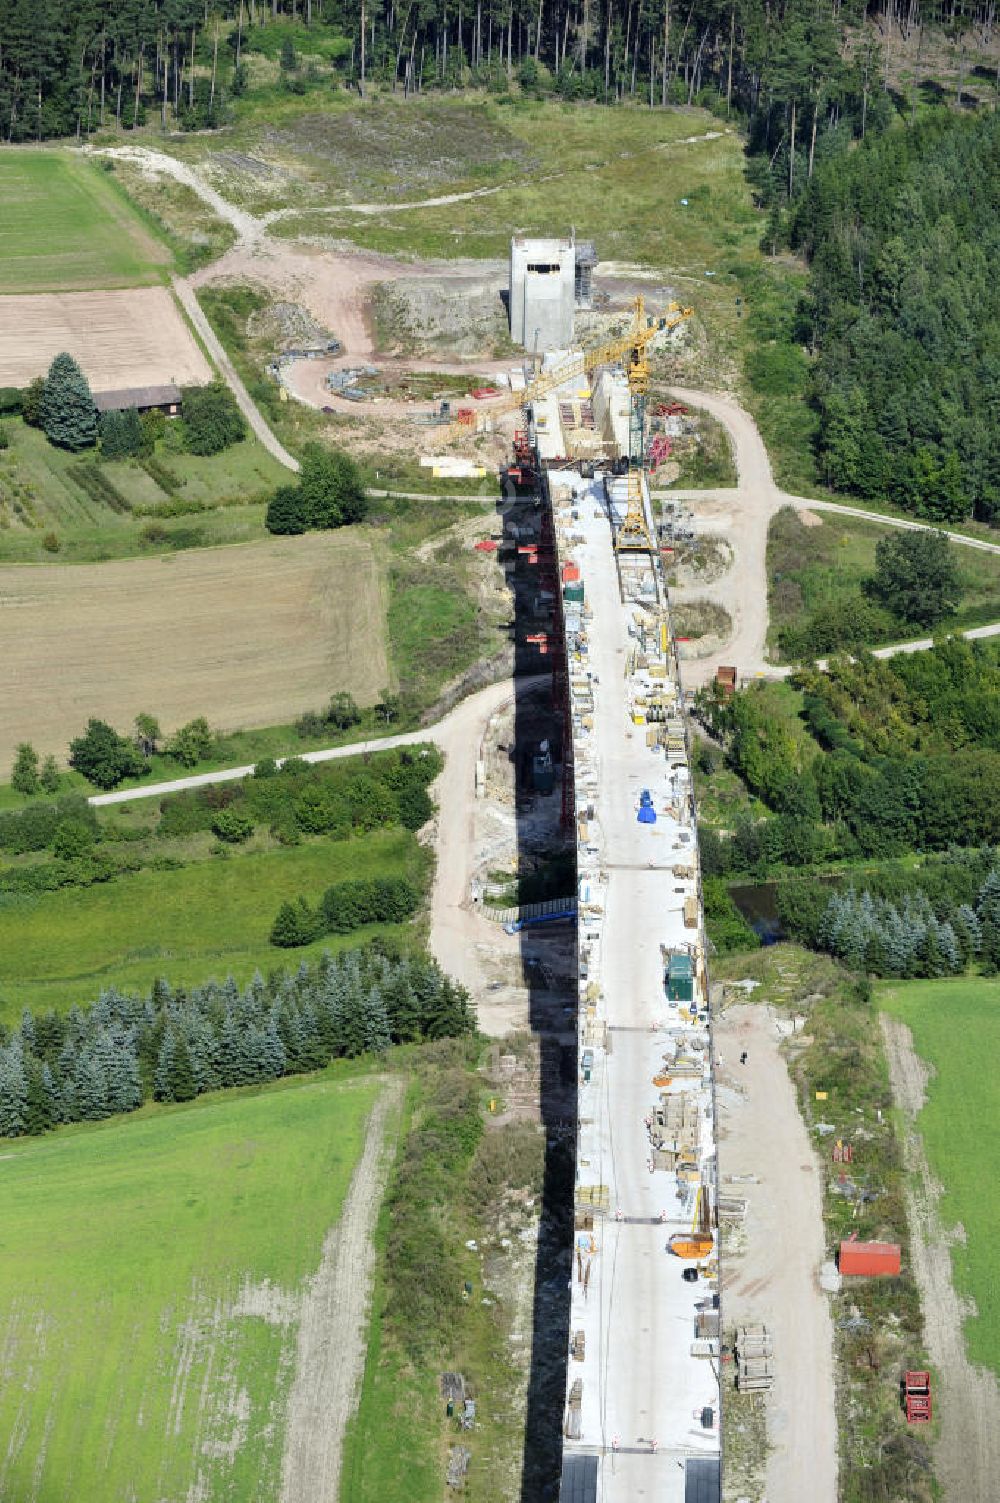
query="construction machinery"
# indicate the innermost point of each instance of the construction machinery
(630, 349)
(697, 1243)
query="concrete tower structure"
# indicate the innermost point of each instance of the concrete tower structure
(542, 292)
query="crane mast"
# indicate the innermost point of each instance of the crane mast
(630, 349)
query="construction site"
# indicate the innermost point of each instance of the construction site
(595, 819)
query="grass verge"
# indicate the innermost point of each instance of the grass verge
(150, 1289)
(443, 1306)
(877, 1322)
(208, 919)
(956, 1026)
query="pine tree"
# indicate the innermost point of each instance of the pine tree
(13, 1091)
(24, 778)
(988, 914)
(230, 1071)
(91, 1090)
(272, 1050)
(967, 930)
(182, 1081)
(69, 417)
(164, 1078)
(376, 1023)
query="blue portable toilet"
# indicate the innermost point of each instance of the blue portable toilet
(647, 814)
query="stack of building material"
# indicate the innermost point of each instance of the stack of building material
(754, 1359)
(675, 1131)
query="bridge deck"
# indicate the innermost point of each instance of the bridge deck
(639, 1408)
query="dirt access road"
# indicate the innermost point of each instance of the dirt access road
(742, 514)
(330, 1352)
(459, 932)
(775, 1280)
(967, 1398)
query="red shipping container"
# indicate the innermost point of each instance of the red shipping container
(869, 1258)
(570, 573)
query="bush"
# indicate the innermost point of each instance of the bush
(232, 826)
(4, 438)
(120, 434)
(24, 777)
(105, 758)
(321, 811)
(51, 543)
(212, 420)
(73, 838)
(11, 400)
(192, 743)
(343, 712)
(286, 511)
(31, 402)
(380, 900)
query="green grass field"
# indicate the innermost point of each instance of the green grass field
(956, 1029)
(203, 920)
(825, 562)
(44, 490)
(149, 1284)
(65, 228)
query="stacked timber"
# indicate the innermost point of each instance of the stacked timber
(754, 1359)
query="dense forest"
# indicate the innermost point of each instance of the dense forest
(903, 238)
(71, 66)
(902, 755)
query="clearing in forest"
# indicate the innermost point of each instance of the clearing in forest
(155, 1272)
(247, 636)
(66, 227)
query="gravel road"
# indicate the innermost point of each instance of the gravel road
(966, 1397)
(775, 1280)
(331, 1342)
(742, 514)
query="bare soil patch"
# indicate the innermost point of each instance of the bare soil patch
(126, 338)
(368, 150)
(966, 1397)
(765, 1156)
(247, 636)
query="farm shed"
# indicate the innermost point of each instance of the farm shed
(165, 399)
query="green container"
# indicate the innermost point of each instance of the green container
(680, 979)
(574, 592)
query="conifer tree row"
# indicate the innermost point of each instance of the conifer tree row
(172, 1045)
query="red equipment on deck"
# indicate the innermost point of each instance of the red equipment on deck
(917, 1396)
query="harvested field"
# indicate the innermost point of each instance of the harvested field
(127, 338)
(246, 635)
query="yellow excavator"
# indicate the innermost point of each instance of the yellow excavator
(630, 349)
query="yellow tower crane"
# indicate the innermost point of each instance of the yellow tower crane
(632, 350)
